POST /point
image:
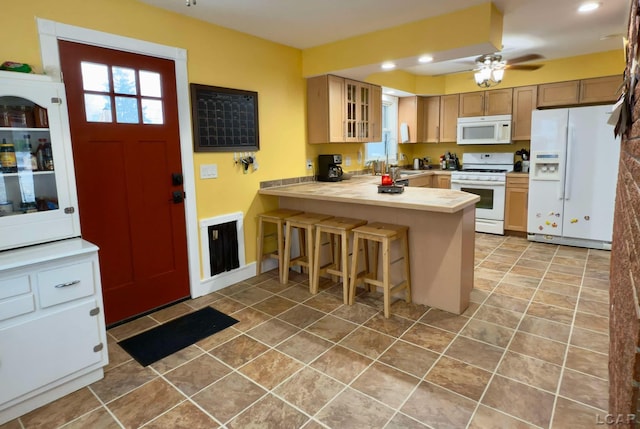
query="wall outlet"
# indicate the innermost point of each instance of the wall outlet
(347, 161)
(309, 164)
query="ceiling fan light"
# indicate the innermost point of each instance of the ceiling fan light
(588, 7)
(498, 74)
(478, 77)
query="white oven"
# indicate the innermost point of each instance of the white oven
(485, 174)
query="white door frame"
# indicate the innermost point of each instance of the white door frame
(49, 33)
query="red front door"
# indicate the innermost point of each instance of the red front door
(126, 149)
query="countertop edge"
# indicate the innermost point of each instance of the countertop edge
(290, 192)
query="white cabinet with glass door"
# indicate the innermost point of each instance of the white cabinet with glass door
(37, 185)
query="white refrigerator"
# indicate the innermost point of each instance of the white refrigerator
(573, 176)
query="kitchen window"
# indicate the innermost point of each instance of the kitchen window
(387, 149)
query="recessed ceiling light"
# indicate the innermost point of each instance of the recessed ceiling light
(425, 59)
(388, 65)
(588, 7)
(389, 91)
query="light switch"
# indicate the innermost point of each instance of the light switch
(208, 171)
(347, 161)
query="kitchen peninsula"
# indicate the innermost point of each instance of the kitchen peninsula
(441, 229)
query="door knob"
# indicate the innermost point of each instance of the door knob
(177, 197)
(176, 179)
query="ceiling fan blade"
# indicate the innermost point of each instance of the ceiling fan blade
(525, 58)
(528, 67)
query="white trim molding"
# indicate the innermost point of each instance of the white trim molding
(50, 32)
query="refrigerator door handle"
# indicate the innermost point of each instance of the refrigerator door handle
(567, 177)
(563, 164)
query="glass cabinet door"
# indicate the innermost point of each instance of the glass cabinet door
(37, 185)
(27, 166)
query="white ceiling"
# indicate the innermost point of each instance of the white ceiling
(551, 28)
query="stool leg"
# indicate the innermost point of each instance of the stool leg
(386, 274)
(407, 268)
(344, 252)
(280, 227)
(287, 254)
(374, 267)
(354, 268)
(302, 245)
(313, 287)
(259, 248)
(309, 240)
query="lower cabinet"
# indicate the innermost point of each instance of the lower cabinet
(421, 181)
(52, 330)
(442, 181)
(516, 202)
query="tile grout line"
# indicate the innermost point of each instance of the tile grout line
(566, 353)
(506, 348)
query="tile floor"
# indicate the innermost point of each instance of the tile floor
(530, 351)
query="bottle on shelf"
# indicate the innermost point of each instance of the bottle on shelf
(8, 157)
(44, 155)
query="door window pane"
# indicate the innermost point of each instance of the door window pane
(127, 110)
(95, 77)
(98, 108)
(150, 84)
(124, 80)
(152, 111)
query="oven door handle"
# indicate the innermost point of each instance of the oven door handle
(478, 183)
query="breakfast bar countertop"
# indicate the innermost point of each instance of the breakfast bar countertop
(364, 190)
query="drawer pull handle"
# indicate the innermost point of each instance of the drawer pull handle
(61, 285)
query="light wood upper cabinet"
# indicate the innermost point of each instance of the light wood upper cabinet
(341, 110)
(600, 89)
(432, 115)
(576, 92)
(485, 103)
(449, 106)
(516, 202)
(376, 113)
(411, 113)
(559, 93)
(429, 119)
(524, 102)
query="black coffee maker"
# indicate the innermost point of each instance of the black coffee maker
(329, 169)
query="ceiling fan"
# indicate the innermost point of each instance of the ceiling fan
(490, 68)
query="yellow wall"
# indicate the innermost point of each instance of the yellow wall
(216, 56)
(480, 25)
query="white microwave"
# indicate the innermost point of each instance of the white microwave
(485, 130)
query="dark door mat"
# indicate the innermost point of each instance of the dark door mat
(157, 343)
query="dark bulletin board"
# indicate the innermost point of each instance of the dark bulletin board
(224, 119)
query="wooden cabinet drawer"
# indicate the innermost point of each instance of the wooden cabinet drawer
(65, 284)
(16, 306)
(14, 286)
(518, 181)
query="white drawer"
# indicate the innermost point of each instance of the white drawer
(16, 306)
(65, 284)
(14, 286)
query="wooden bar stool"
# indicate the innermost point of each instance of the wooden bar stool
(381, 234)
(305, 223)
(335, 227)
(276, 217)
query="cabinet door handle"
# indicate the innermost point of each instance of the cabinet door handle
(61, 285)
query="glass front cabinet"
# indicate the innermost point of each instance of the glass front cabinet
(37, 184)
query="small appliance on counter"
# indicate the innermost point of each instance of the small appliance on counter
(329, 169)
